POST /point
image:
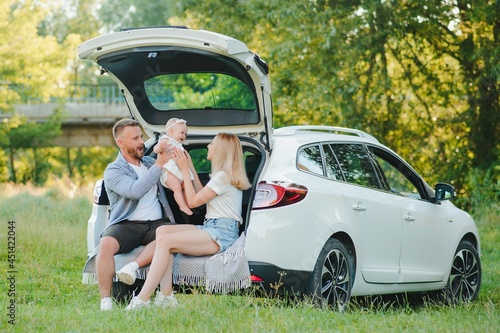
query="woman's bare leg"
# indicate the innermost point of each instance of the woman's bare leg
(166, 281)
(185, 239)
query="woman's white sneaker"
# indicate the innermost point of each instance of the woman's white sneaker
(106, 304)
(137, 303)
(165, 301)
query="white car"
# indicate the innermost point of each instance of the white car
(332, 213)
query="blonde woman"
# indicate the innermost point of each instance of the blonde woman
(223, 196)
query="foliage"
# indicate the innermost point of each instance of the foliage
(484, 190)
(38, 64)
(119, 14)
(22, 133)
(18, 133)
(27, 155)
(32, 66)
(70, 17)
(85, 164)
(75, 20)
(80, 165)
(198, 91)
(421, 76)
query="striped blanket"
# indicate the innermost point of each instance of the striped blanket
(219, 273)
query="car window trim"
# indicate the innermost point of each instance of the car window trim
(397, 162)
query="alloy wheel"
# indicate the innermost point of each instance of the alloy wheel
(464, 277)
(335, 279)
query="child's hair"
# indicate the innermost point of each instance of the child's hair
(229, 158)
(172, 122)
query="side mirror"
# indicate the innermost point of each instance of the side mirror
(444, 192)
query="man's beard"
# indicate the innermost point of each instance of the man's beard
(137, 153)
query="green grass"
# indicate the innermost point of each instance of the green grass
(51, 251)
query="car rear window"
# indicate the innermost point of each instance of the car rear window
(309, 159)
(204, 91)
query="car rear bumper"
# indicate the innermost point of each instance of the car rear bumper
(272, 278)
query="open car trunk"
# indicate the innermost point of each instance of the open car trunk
(212, 81)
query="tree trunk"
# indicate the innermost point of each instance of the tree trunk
(12, 170)
(35, 167)
(68, 159)
(485, 130)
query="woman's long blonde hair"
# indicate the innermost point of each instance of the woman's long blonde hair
(228, 157)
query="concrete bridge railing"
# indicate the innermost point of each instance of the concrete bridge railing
(84, 124)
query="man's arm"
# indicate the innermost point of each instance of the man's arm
(123, 182)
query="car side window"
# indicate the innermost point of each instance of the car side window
(400, 178)
(309, 159)
(332, 165)
(398, 183)
(356, 165)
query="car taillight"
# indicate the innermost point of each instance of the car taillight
(256, 279)
(277, 194)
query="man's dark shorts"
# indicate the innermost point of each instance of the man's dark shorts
(131, 234)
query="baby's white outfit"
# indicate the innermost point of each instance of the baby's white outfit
(171, 165)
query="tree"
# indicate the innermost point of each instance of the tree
(70, 17)
(119, 14)
(32, 68)
(478, 38)
(74, 20)
(420, 75)
(19, 134)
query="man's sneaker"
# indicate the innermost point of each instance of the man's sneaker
(137, 303)
(165, 301)
(127, 274)
(106, 304)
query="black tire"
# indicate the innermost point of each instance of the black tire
(333, 276)
(465, 275)
(122, 293)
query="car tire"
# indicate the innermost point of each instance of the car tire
(122, 293)
(464, 281)
(333, 276)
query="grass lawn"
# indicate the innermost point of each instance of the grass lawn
(41, 289)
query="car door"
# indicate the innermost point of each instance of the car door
(373, 214)
(425, 226)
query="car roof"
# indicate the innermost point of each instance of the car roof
(324, 133)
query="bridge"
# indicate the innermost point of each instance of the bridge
(84, 124)
(87, 119)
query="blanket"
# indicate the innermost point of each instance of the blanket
(219, 273)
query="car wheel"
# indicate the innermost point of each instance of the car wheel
(465, 275)
(333, 276)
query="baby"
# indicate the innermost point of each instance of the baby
(171, 176)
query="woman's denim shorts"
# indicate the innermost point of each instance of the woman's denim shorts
(224, 231)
